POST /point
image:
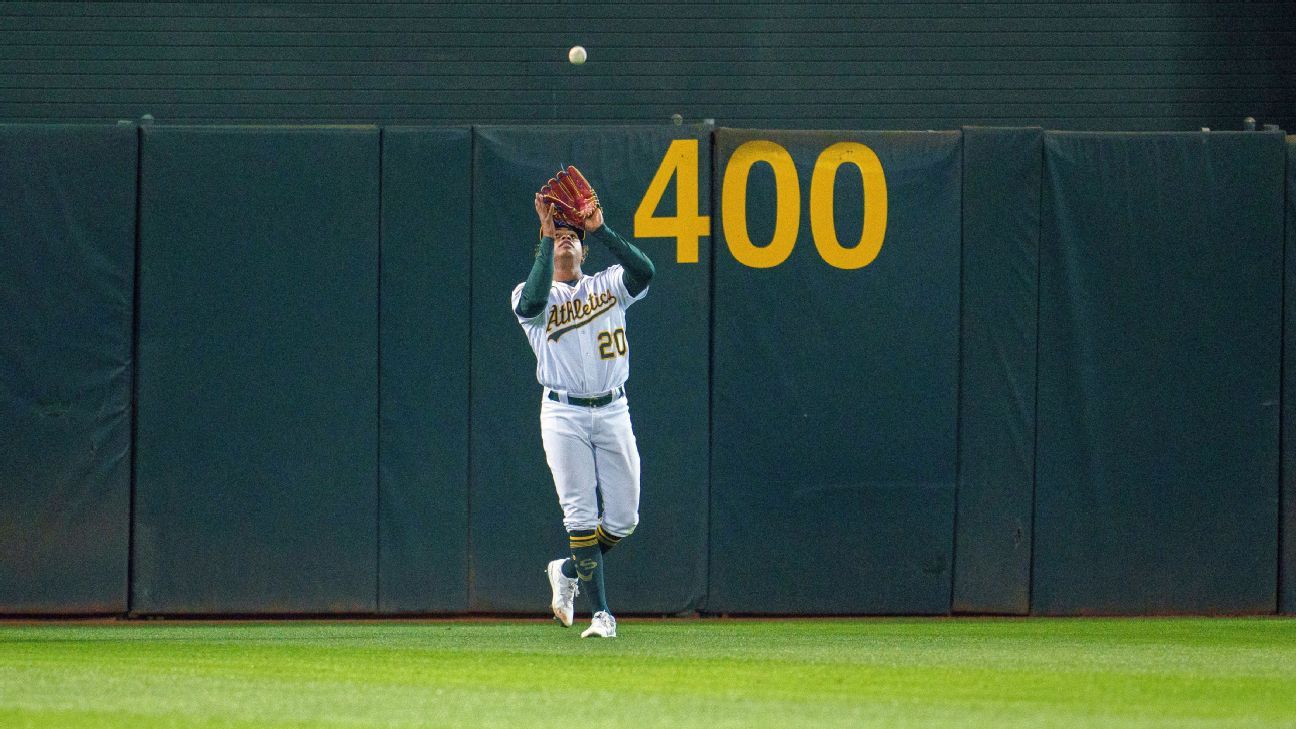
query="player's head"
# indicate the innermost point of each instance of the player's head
(564, 225)
(569, 242)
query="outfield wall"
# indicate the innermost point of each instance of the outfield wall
(272, 370)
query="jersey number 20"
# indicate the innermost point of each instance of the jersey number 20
(612, 344)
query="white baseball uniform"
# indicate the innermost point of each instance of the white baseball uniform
(582, 354)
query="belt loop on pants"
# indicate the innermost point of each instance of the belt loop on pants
(597, 401)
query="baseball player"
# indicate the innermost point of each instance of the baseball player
(577, 327)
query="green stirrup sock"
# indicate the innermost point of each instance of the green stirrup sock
(588, 557)
(606, 541)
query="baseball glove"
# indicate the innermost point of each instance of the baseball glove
(573, 198)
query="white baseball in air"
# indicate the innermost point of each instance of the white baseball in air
(577, 55)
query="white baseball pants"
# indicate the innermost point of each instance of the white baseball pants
(592, 453)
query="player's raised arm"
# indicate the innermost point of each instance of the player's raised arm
(535, 293)
(639, 269)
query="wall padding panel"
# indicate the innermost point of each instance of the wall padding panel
(423, 463)
(67, 279)
(515, 519)
(1001, 209)
(256, 476)
(1160, 323)
(835, 391)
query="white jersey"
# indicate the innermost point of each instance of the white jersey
(580, 338)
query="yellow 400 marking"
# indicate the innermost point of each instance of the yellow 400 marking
(687, 226)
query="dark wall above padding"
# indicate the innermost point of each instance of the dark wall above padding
(850, 64)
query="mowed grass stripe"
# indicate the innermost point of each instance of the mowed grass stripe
(898, 672)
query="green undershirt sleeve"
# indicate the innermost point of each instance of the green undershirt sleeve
(638, 269)
(535, 292)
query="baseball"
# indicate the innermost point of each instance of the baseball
(577, 55)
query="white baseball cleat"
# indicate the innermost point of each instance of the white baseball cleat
(603, 625)
(565, 589)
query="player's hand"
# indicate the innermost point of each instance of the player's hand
(545, 211)
(594, 221)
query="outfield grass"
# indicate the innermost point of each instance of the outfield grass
(713, 673)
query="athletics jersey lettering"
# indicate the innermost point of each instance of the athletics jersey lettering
(569, 315)
(570, 356)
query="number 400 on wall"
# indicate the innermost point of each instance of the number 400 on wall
(687, 226)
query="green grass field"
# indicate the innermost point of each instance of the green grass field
(713, 673)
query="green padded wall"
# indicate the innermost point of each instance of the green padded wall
(1287, 530)
(1160, 322)
(1001, 209)
(423, 462)
(256, 473)
(515, 520)
(835, 391)
(337, 411)
(67, 278)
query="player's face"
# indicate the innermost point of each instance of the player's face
(567, 244)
